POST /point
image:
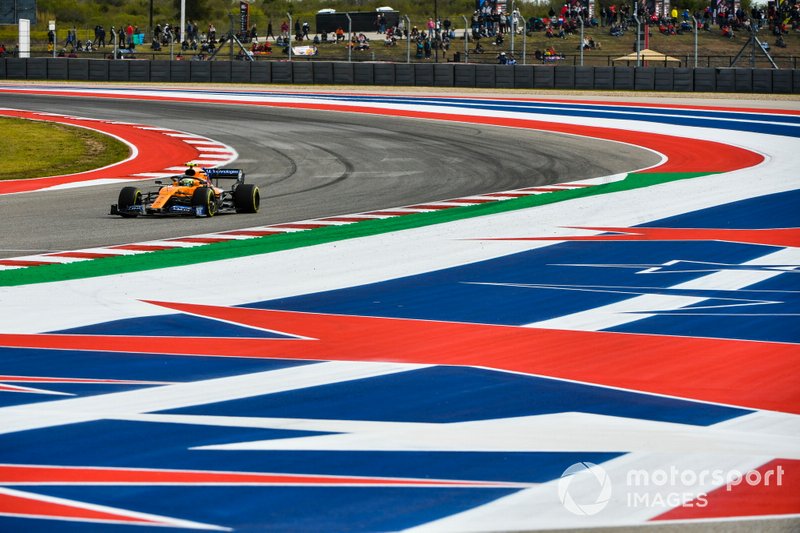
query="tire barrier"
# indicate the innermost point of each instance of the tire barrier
(728, 80)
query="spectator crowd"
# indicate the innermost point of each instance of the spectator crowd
(489, 25)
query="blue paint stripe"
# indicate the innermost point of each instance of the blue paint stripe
(773, 124)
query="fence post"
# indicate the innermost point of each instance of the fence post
(408, 38)
(349, 38)
(466, 39)
(290, 35)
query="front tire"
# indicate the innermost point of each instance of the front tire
(203, 200)
(128, 196)
(246, 198)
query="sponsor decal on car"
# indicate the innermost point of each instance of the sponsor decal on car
(226, 172)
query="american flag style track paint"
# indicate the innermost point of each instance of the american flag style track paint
(617, 353)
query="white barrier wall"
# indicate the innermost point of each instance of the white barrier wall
(24, 38)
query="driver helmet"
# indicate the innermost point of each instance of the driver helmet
(187, 182)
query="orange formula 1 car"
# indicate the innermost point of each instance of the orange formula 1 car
(196, 193)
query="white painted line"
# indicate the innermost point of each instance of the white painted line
(216, 149)
(153, 174)
(362, 215)
(283, 230)
(150, 399)
(640, 307)
(215, 156)
(170, 244)
(103, 250)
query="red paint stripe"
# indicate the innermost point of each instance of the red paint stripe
(723, 371)
(781, 237)
(471, 201)
(252, 232)
(14, 388)
(432, 207)
(777, 494)
(200, 240)
(512, 194)
(24, 474)
(143, 247)
(25, 262)
(83, 255)
(37, 379)
(543, 189)
(19, 505)
(392, 213)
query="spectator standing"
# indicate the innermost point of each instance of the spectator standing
(269, 31)
(70, 37)
(128, 35)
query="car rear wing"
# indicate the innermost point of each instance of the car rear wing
(225, 173)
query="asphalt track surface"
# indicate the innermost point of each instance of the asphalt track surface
(307, 164)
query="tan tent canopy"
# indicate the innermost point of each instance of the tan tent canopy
(647, 55)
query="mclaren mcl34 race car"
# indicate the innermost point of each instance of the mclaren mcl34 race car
(196, 192)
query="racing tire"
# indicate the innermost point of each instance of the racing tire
(246, 198)
(203, 198)
(129, 196)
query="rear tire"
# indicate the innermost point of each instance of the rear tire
(246, 198)
(203, 198)
(128, 197)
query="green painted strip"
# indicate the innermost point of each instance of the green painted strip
(274, 243)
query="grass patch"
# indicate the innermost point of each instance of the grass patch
(33, 149)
